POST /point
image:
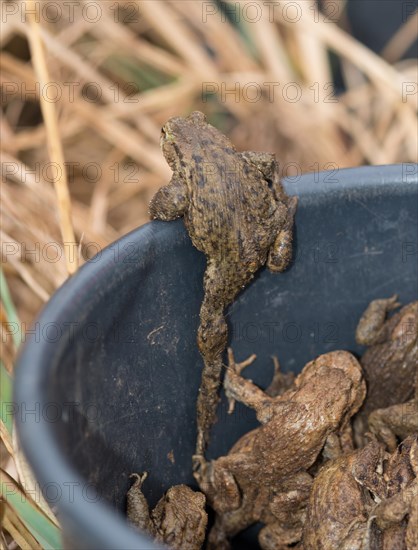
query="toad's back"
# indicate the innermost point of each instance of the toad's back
(231, 209)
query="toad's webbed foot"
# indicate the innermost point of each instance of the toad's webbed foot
(235, 369)
(245, 391)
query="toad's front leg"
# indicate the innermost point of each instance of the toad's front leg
(171, 201)
(243, 390)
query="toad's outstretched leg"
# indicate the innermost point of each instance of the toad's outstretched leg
(220, 289)
(207, 401)
(212, 340)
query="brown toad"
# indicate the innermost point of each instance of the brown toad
(397, 515)
(397, 421)
(264, 476)
(237, 213)
(179, 518)
(390, 362)
(364, 501)
(342, 498)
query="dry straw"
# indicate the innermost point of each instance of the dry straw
(56, 153)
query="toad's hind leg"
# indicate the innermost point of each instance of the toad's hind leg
(219, 291)
(207, 401)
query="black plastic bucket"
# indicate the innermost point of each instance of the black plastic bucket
(112, 368)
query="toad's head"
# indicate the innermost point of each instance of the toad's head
(179, 137)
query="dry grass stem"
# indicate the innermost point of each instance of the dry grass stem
(273, 51)
(56, 152)
(376, 69)
(161, 16)
(312, 51)
(403, 39)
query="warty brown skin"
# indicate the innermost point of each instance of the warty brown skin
(397, 515)
(264, 476)
(179, 519)
(342, 499)
(234, 217)
(396, 422)
(390, 362)
(365, 500)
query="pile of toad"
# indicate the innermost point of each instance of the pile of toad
(331, 466)
(334, 462)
